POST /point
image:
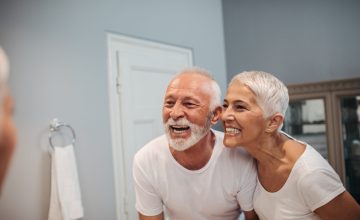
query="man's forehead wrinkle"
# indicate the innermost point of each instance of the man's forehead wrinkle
(188, 91)
(185, 85)
(189, 86)
(182, 89)
(184, 96)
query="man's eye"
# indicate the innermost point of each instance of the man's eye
(190, 104)
(225, 106)
(168, 103)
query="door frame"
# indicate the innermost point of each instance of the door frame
(115, 87)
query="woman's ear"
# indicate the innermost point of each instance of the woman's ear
(274, 123)
(216, 114)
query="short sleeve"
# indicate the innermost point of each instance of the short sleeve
(148, 202)
(320, 187)
(248, 185)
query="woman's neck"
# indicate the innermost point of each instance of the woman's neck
(269, 150)
(276, 156)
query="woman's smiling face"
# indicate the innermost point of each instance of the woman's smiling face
(242, 117)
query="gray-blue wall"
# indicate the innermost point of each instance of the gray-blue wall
(297, 40)
(59, 69)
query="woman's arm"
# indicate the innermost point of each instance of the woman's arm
(343, 206)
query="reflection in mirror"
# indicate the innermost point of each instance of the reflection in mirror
(350, 121)
(305, 120)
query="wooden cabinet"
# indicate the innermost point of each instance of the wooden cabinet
(327, 116)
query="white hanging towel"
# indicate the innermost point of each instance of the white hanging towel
(65, 198)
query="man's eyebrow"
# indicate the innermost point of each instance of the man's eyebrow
(169, 96)
(189, 98)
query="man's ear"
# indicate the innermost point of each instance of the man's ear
(275, 122)
(216, 115)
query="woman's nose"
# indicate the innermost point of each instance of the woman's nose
(227, 114)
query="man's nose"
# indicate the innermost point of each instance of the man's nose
(177, 111)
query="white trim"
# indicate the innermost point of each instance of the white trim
(113, 41)
(115, 130)
(113, 37)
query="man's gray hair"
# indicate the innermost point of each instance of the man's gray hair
(215, 92)
(271, 94)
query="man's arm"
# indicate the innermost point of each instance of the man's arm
(148, 201)
(156, 217)
(250, 215)
(343, 206)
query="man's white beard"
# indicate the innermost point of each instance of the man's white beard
(197, 133)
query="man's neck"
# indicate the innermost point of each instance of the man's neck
(197, 156)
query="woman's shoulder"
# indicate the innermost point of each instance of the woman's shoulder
(312, 160)
(312, 168)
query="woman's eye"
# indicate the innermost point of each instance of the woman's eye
(224, 106)
(239, 107)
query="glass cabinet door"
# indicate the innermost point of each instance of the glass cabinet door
(350, 129)
(326, 115)
(305, 121)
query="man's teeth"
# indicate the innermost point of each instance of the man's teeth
(179, 131)
(179, 128)
(232, 130)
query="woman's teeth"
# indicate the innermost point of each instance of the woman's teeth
(232, 131)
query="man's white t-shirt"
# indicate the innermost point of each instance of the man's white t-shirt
(216, 191)
(311, 184)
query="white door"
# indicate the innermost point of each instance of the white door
(139, 71)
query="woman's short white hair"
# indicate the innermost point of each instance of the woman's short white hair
(271, 94)
(215, 92)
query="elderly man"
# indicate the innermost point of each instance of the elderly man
(188, 173)
(7, 127)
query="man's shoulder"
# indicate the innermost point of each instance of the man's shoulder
(234, 152)
(154, 146)
(238, 163)
(238, 155)
(218, 134)
(234, 157)
(160, 140)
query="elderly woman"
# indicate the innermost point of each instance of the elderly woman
(294, 181)
(7, 127)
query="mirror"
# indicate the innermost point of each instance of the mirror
(350, 124)
(305, 120)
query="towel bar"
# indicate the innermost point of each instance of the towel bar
(55, 125)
